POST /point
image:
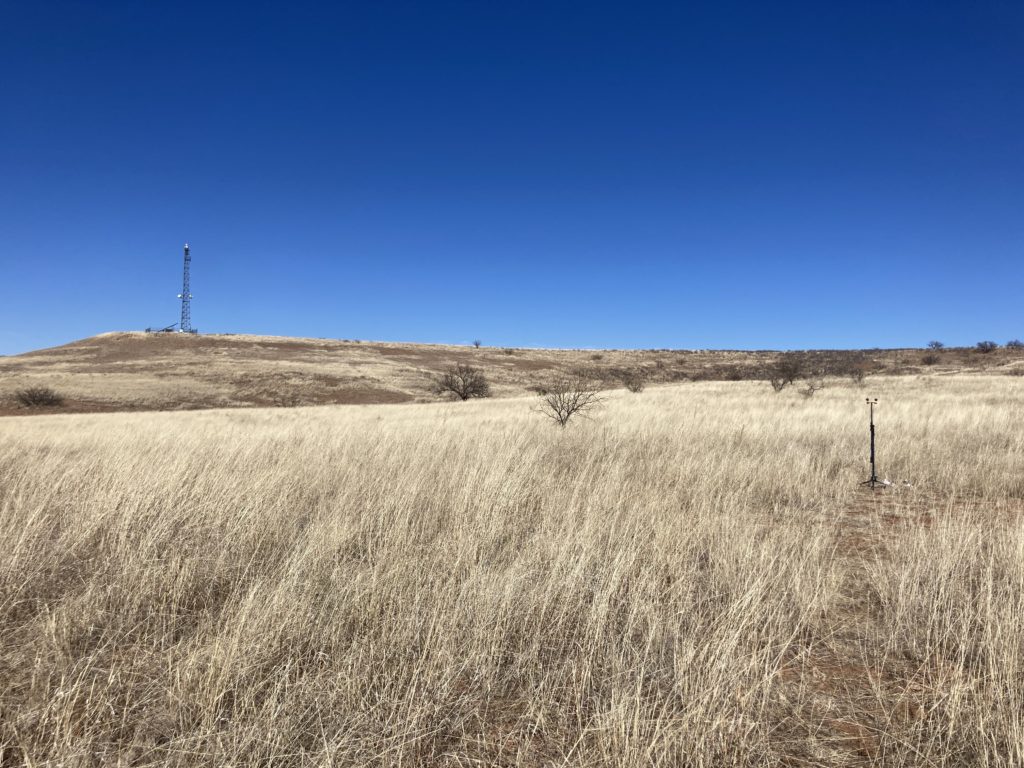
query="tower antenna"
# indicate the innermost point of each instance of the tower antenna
(186, 299)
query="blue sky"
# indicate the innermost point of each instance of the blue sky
(730, 175)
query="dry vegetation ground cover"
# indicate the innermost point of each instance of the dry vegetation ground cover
(164, 371)
(693, 577)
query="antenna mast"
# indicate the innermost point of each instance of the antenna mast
(186, 299)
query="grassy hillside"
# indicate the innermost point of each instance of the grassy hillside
(138, 371)
(693, 577)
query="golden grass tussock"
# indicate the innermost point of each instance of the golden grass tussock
(692, 577)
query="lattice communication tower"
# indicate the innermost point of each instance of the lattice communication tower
(186, 299)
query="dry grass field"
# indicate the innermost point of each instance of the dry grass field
(692, 577)
(169, 371)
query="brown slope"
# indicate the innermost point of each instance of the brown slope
(160, 371)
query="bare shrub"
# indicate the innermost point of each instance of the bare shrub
(634, 380)
(463, 382)
(930, 359)
(789, 367)
(936, 345)
(477, 343)
(508, 351)
(597, 356)
(1015, 344)
(986, 346)
(565, 397)
(812, 385)
(38, 397)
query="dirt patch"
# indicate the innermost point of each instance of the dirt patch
(369, 396)
(863, 700)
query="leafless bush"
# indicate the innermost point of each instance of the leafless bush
(477, 343)
(508, 351)
(634, 380)
(811, 386)
(597, 356)
(935, 345)
(986, 346)
(38, 397)
(1015, 344)
(930, 359)
(789, 367)
(565, 397)
(463, 382)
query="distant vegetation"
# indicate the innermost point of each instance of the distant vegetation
(634, 379)
(38, 397)
(171, 371)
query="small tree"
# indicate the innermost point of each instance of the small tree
(477, 343)
(38, 397)
(568, 396)
(463, 382)
(634, 380)
(785, 370)
(1015, 344)
(936, 345)
(987, 346)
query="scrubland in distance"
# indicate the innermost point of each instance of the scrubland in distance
(181, 371)
(691, 578)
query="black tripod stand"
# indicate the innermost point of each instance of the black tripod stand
(873, 480)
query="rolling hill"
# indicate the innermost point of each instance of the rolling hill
(126, 371)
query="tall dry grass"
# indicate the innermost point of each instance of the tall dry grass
(692, 578)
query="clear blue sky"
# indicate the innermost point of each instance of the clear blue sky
(735, 175)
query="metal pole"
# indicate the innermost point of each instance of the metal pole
(874, 474)
(873, 480)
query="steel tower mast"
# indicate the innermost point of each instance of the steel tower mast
(186, 298)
